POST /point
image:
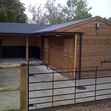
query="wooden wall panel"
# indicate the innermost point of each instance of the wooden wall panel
(96, 45)
(20, 41)
(61, 53)
(16, 45)
(96, 49)
(13, 41)
(56, 52)
(45, 50)
(35, 41)
(92, 74)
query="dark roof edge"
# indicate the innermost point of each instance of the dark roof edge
(5, 33)
(54, 32)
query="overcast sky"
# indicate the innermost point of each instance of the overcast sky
(99, 7)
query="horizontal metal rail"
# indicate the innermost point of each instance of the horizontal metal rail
(71, 93)
(69, 99)
(42, 82)
(56, 72)
(59, 87)
(94, 89)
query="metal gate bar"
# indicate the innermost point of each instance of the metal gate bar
(93, 90)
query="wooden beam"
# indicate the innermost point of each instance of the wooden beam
(27, 48)
(24, 87)
(5, 66)
(75, 53)
(80, 55)
(6, 89)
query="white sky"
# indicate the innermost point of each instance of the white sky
(99, 7)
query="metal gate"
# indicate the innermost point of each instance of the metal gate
(48, 87)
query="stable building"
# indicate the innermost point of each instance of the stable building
(68, 46)
(14, 39)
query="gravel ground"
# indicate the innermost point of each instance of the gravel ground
(93, 106)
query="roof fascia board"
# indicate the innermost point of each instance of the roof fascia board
(55, 33)
(91, 19)
(14, 34)
(96, 18)
(105, 21)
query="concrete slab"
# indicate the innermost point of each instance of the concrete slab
(10, 99)
(10, 78)
(12, 60)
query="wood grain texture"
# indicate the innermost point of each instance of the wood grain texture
(24, 87)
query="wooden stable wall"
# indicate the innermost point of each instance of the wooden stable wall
(59, 52)
(16, 45)
(19, 41)
(96, 43)
(96, 47)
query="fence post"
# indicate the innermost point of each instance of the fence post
(23, 87)
(76, 71)
(53, 88)
(95, 82)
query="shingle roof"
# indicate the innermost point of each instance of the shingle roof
(57, 26)
(20, 27)
(23, 28)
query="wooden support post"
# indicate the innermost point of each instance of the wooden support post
(75, 54)
(42, 50)
(24, 87)
(0, 47)
(80, 55)
(27, 48)
(49, 44)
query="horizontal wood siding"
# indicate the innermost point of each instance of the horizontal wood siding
(14, 46)
(96, 43)
(20, 41)
(56, 52)
(59, 53)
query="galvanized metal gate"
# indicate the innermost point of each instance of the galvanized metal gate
(48, 87)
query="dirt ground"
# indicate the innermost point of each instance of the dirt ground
(93, 106)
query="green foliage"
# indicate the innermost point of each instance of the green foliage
(109, 19)
(53, 13)
(12, 11)
(49, 14)
(76, 9)
(37, 15)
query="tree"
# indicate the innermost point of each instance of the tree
(109, 19)
(37, 15)
(76, 9)
(12, 11)
(49, 14)
(53, 13)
